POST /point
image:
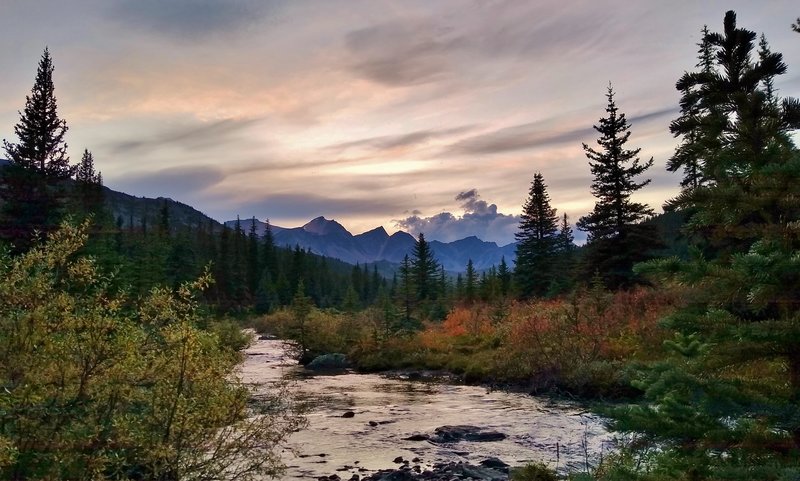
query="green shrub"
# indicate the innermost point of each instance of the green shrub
(533, 472)
(92, 389)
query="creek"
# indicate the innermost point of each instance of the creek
(384, 410)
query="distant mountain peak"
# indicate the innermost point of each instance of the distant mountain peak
(376, 232)
(323, 226)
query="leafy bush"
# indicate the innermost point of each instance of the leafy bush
(533, 472)
(93, 389)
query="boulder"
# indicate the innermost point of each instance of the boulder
(495, 463)
(452, 434)
(328, 362)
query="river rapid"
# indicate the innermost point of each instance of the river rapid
(385, 410)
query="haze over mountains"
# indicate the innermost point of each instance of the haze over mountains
(329, 238)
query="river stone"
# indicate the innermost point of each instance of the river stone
(440, 472)
(495, 463)
(348, 414)
(452, 434)
(328, 362)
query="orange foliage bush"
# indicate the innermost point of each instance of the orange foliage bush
(551, 340)
(463, 320)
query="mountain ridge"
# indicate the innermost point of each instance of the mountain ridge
(329, 238)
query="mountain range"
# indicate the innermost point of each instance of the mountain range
(329, 238)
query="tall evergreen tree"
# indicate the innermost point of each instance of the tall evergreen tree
(406, 291)
(424, 269)
(536, 241)
(40, 131)
(470, 283)
(565, 257)
(707, 411)
(89, 185)
(699, 124)
(743, 128)
(504, 275)
(616, 239)
(32, 193)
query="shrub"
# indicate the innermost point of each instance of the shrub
(93, 389)
(533, 472)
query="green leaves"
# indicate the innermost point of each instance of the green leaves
(89, 389)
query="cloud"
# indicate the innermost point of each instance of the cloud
(391, 142)
(194, 137)
(541, 134)
(179, 183)
(304, 207)
(401, 53)
(480, 219)
(518, 137)
(188, 19)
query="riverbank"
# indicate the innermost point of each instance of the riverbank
(576, 347)
(360, 424)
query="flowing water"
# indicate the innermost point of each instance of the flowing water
(389, 409)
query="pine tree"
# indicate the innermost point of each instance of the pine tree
(424, 269)
(616, 239)
(406, 291)
(713, 409)
(85, 172)
(744, 128)
(301, 309)
(536, 239)
(698, 123)
(470, 283)
(89, 185)
(32, 194)
(565, 257)
(40, 131)
(254, 269)
(504, 275)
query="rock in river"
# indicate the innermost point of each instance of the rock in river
(329, 362)
(452, 434)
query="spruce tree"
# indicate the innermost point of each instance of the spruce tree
(536, 242)
(424, 269)
(565, 257)
(616, 239)
(698, 123)
(32, 194)
(715, 408)
(406, 292)
(89, 185)
(743, 127)
(504, 275)
(40, 131)
(470, 283)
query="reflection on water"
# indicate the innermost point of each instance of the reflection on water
(387, 410)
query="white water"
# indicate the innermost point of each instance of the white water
(538, 429)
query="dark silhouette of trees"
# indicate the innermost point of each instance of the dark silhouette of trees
(40, 131)
(32, 184)
(537, 239)
(424, 269)
(616, 237)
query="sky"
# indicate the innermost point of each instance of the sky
(416, 115)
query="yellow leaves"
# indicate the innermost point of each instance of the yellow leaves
(91, 387)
